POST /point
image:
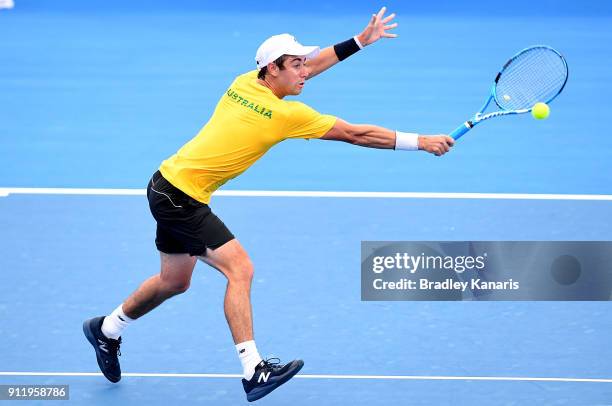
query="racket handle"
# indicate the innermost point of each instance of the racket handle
(462, 129)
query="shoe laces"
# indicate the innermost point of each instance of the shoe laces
(272, 363)
(114, 346)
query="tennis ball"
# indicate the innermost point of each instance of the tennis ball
(540, 111)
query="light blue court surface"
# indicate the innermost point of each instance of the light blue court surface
(96, 94)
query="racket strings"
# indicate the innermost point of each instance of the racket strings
(532, 78)
(536, 75)
(548, 77)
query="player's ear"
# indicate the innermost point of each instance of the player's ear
(273, 69)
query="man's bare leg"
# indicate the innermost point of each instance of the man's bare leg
(103, 333)
(173, 279)
(232, 261)
(261, 377)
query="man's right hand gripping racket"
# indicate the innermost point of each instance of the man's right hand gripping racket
(536, 74)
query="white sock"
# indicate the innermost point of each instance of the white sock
(247, 352)
(114, 324)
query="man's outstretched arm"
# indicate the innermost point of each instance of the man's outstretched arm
(373, 136)
(376, 29)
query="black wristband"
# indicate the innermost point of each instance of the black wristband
(345, 49)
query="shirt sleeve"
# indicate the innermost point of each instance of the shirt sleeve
(306, 122)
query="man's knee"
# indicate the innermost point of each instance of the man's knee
(176, 287)
(174, 284)
(232, 261)
(176, 273)
(240, 270)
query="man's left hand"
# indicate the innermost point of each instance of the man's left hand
(377, 28)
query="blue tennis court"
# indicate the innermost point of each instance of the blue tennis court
(93, 96)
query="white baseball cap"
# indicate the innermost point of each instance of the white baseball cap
(282, 44)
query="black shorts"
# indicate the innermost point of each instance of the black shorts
(184, 225)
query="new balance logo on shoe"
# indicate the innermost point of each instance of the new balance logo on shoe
(263, 377)
(269, 375)
(103, 346)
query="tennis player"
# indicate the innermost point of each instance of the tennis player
(250, 118)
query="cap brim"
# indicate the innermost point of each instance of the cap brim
(309, 52)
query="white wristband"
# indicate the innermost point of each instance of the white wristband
(357, 41)
(406, 141)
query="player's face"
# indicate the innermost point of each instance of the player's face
(294, 75)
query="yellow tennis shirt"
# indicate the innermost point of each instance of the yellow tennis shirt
(248, 120)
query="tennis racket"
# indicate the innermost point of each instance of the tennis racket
(536, 74)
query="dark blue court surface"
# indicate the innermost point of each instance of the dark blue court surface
(96, 94)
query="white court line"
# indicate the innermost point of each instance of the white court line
(371, 377)
(284, 193)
